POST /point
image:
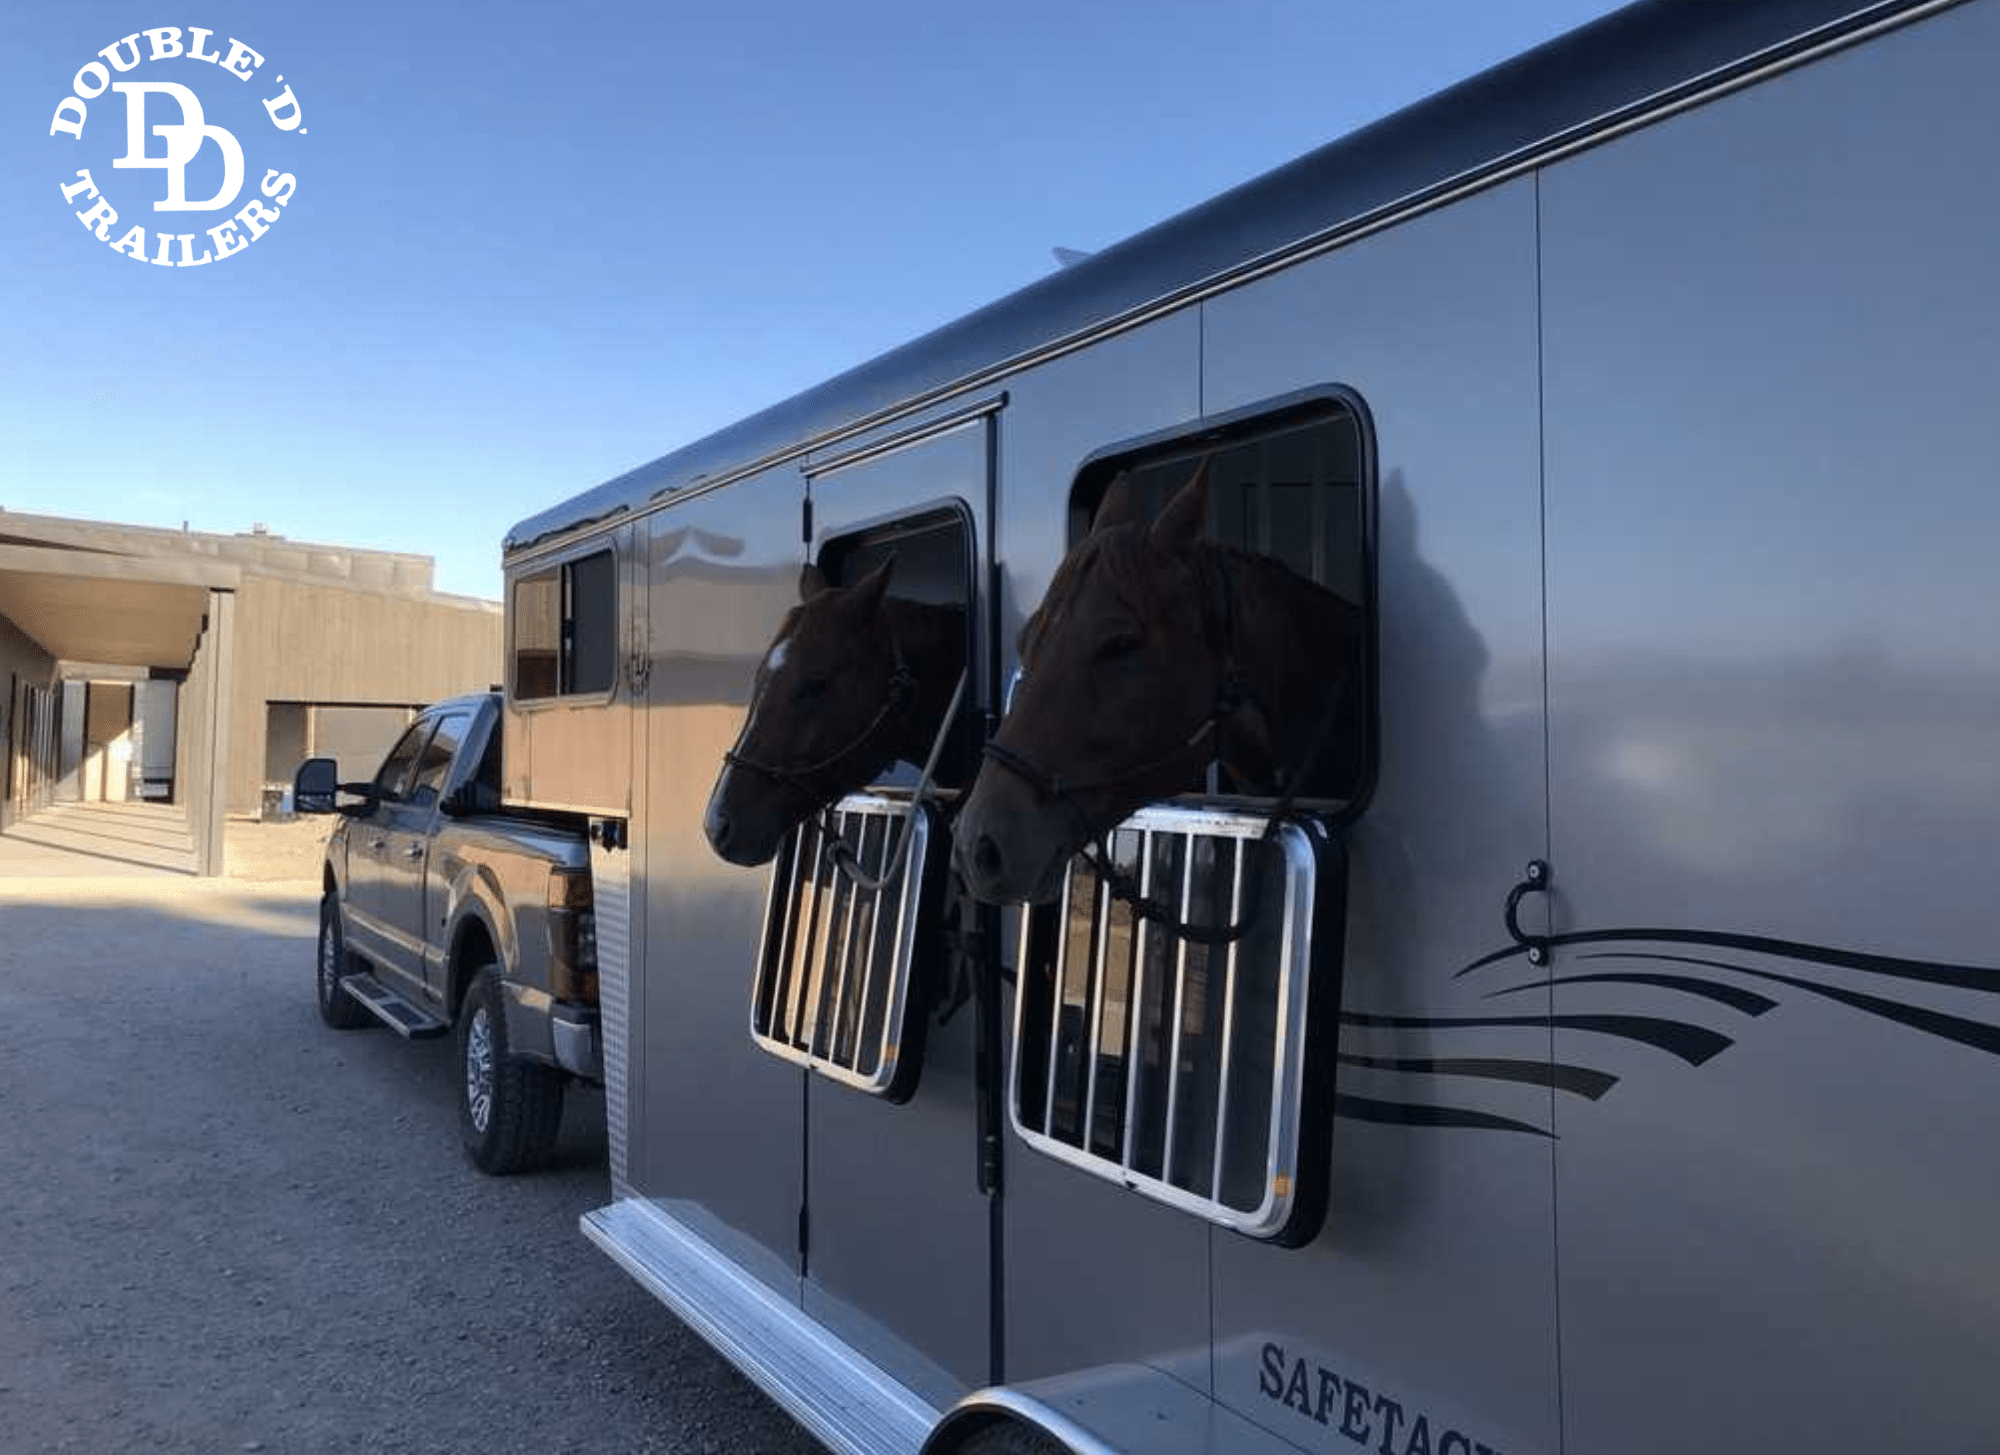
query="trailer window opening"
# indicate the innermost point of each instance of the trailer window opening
(1293, 482)
(837, 959)
(1196, 1075)
(565, 629)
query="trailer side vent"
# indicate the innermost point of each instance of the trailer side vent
(834, 970)
(1198, 1076)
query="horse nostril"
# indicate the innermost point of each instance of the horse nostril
(986, 858)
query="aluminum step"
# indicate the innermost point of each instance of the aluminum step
(405, 1017)
(848, 1403)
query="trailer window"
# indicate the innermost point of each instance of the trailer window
(1201, 1075)
(1292, 481)
(565, 629)
(836, 963)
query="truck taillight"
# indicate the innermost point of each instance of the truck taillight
(572, 937)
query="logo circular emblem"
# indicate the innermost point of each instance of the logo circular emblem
(173, 135)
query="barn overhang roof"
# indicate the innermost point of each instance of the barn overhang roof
(93, 606)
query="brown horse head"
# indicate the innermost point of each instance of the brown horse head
(1154, 652)
(853, 680)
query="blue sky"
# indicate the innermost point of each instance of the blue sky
(531, 245)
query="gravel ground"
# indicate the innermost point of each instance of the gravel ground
(224, 1227)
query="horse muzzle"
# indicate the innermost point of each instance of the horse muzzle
(738, 832)
(1007, 851)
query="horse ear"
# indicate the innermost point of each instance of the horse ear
(1117, 506)
(812, 581)
(1181, 524)
(866, 594)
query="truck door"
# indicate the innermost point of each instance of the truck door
(407, 828)
(369, 850)
(898, 1227)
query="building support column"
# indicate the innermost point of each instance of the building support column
(209, 805)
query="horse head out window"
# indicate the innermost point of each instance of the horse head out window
(857, 721)
(1209, 632)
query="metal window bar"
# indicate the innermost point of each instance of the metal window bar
(834, 959)
(1220, 1067)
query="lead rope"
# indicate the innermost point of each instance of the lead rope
(842, 857)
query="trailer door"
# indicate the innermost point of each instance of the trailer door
(1774, 675)
(698, 1119)
(897, 1227)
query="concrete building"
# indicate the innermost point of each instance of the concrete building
(197, 669)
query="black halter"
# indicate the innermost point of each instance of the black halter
(902, 692)
(1233, 692)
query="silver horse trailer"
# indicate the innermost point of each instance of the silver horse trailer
(1617, 1064)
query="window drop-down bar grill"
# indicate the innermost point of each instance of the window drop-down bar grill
(1198, 1076)
(834, 967)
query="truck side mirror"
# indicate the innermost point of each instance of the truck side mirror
(315, 786)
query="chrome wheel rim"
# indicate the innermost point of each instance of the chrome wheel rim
(479, 1070)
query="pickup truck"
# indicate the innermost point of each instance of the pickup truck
(442, 913)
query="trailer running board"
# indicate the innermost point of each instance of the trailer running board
(404, 1017)
(847, 1402)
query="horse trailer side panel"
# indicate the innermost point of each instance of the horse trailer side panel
(716, 1123)
(1094, 1275)
(899, 1227)
(1432, 1290)
(1774, 645)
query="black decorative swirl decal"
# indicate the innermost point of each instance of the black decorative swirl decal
(1691, 1043)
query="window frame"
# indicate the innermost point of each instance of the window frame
(877, 1050)
(564, 571)
(1247, 424)
(1306, 972)
(418, 732)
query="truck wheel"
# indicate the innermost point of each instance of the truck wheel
(508, 1108)
(336, 1007)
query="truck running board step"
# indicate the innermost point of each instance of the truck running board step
(852, 1405)
(399, 1015)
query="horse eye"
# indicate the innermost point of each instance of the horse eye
(1119, 644)
(811, 688)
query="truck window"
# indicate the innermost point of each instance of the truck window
(393, 777)
(434, 762)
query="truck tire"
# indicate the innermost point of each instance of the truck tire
(508, 1108)
(337, 1008)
